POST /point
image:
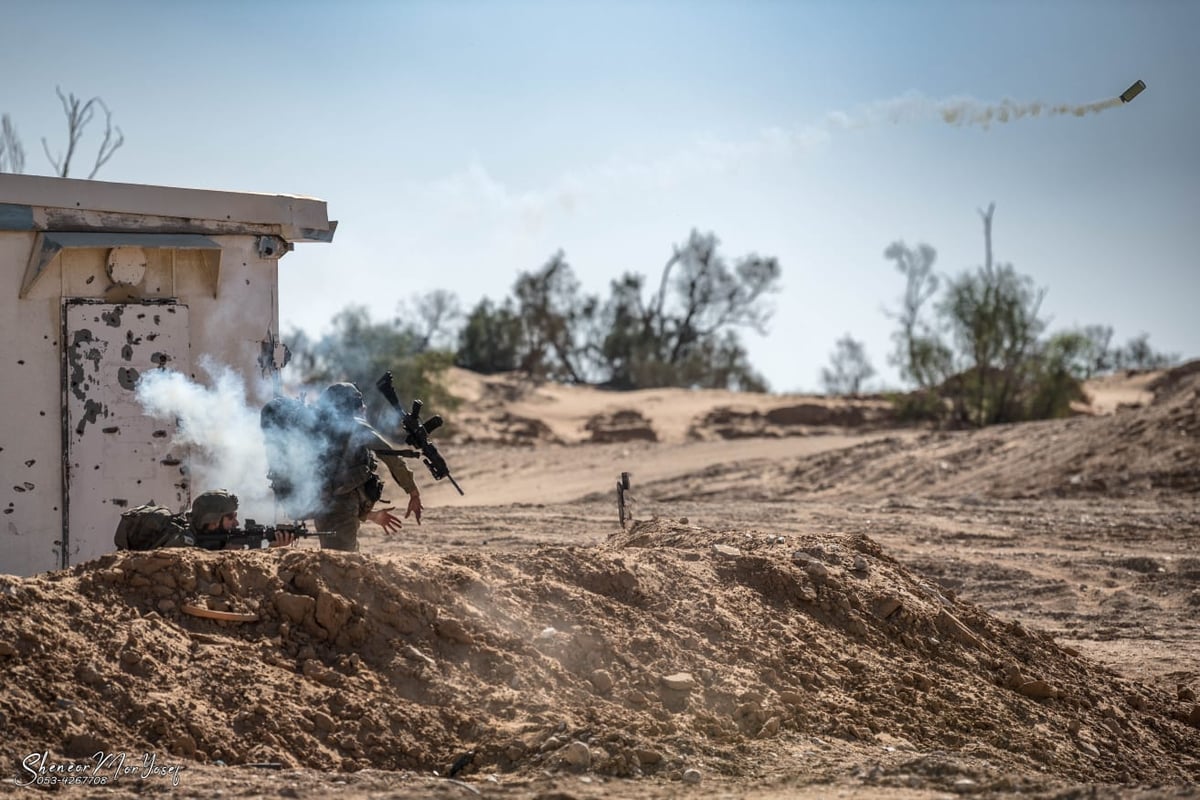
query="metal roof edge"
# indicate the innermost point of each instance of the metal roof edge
(294, 212)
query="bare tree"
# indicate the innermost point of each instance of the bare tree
(993, 315)
(684, 333)
(434, 316)
(554, 316)
(79, 114)
(711, 295)
(12, 154)
(848, 368)
(920, 353)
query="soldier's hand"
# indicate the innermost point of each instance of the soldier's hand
(414, 507)
(283, 539)
(385, 519)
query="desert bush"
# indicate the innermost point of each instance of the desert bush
(920, 406)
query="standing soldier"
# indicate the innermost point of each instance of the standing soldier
(352, 486)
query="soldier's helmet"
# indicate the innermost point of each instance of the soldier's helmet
(343, 398)
(209, 507)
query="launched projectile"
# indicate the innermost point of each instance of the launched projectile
(1132, 92)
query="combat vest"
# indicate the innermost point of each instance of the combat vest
(354, 466)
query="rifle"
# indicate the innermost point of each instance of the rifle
(417, 432)
(259, 537)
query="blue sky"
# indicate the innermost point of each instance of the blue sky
(459, 143)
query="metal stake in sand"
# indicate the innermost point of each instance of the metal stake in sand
(622, 509)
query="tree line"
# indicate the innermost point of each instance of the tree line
(972, 347)
(978, 352)
(682, 330)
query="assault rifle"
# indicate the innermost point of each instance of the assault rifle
(259, 537)
(416, 432)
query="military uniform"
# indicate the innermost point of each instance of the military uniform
(354, 485)
(150, 527)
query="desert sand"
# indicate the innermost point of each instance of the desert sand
(809, 600)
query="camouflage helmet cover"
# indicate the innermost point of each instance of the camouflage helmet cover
(343, 397)
(208, 508)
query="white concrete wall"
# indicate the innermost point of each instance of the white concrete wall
(30, 415)
(230, 327)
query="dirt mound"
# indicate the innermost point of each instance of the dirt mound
(790, 419)
(1180, 379)
(731, 423)
(671, 647)
(509, 408)
(506, 429)
(487, 412)
(624, 425)
(1135, 452)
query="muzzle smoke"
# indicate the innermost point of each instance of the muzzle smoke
(220, 430)
(286, 468)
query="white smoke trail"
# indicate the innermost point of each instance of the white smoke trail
(474, 192)
(967, 112)
(511, 216)
(958, 111)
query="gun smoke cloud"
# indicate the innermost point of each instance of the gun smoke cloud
(220, 430)
(229, 449)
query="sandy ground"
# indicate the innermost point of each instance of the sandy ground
(808, 602)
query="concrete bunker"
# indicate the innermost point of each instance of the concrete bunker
(102, 282)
